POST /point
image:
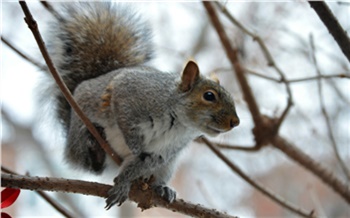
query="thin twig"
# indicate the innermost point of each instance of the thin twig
(339, 75)
(33, 26)
(233, 147)
(255, 184)
(51, 10)
(267, 54)
(254, 73)
(51, 201)
(342, 76)
(40, 66)
(140, 192)
(333, 26)
(345, 75)
(210, 200)
(325, 114)
(239, 148)
(340, 94)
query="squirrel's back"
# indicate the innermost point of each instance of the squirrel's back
(92, 39)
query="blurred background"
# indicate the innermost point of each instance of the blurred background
(32, 143)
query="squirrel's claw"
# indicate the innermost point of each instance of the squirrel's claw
(166, 193)
(117, 195)
(114, 199)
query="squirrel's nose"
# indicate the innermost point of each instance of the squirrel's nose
(234, 122)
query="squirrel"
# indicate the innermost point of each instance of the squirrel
(147, 116)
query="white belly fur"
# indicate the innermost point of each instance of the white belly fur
(116, 139)
(164, 141)
(157, 140)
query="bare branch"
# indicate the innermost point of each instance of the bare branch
(27, 133)
(51, 10)
(256, 185)
(320, 76)
(261, 75)
(239, 148)
(264, 130)
(345, 75)
(338, 92)
(316, 168)
(269, 58)
(43, 68)
(325, 114)
(140, 192)
(233, 147)
(51, 201)
(33, 26)
(232, 55)
(333, 26)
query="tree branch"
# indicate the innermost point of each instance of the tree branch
(140, 193)
(270, 61)
(345, 75)
(254, 73)
(38, 65)
(239, 148)
(333, 26)
(257, 186)
(232, 147)
(46, 197)
(325, 114)
(51, 10)
(316, 168)
(232, 55)
(264, 130)
(33, 26)
(341, 75)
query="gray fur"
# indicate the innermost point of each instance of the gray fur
(110, 26)
(154, 95)
(144, 114)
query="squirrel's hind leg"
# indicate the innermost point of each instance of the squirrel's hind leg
(82, 149)
(162, 176)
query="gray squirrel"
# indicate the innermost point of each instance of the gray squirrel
(147, 116)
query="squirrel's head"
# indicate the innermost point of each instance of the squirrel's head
(209, 106)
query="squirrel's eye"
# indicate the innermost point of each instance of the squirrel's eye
(209, 96)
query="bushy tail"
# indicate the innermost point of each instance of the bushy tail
(92, 39)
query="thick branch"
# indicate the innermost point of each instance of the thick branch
(333, 26)
(267, 54)
(47, 198)
(316, 168)
(232, 55)
(33, 26)
(140, 193)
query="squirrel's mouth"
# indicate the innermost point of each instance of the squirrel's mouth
(215, 130)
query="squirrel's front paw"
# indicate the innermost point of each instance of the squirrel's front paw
(118, 194)
(165, 192)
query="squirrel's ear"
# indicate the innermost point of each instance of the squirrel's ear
(189, 76)
(215, 78)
